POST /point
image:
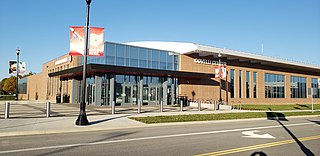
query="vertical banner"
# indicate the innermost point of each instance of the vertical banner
(22, 67)
(96, 47)
(224, 71)
(220, 72)
(319, 83)
(13, 67)
(76, 40)
(217, 72)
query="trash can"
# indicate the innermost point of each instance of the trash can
(184, 100)
(58, 98)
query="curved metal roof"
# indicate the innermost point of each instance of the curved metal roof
(189, 48)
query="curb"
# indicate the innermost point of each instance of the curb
(82, 129)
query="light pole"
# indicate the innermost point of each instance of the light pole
(17, 70)
(82, 118)
(220, 72)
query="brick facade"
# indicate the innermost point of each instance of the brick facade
(208, 89)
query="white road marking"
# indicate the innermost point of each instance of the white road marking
(150, 138)
(252, 134)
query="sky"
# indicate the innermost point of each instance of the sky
(288, 29)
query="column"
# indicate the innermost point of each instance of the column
(173, 91)
(75, 91)
(140, 89)
(165, 90)
(111, 93)
(98, 83)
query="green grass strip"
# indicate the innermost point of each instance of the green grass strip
(223, 116)
(278, 107)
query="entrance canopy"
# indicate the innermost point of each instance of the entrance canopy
(99, 69)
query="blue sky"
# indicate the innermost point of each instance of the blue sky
(289, 29)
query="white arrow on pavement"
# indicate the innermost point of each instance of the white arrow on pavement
(251, 134)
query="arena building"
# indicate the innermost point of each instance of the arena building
(152, 72)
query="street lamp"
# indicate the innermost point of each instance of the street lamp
(220, 72)
(82, 118)
(17, 70)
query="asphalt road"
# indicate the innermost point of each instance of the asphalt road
(290, 136)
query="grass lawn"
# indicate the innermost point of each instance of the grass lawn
(278, 107)
(6, 97)
(226, 116)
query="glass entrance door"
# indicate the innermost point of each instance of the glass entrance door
(91, 90)
(129, 94)
(153, 96)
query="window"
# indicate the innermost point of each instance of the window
(155, 59)
(240, 75)
(232, 83)
(298, 87)
(120, 52)
(170, 61)
(274, 85)
(314, 84)
(163, 60)
(143, 58)
(23, 86)
(254, 84)
(110, 54)
(175, 61)
(247, 84)
(134, 56)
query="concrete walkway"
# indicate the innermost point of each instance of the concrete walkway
(30, 118)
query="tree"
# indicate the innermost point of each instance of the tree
(10, 85)
(2, 85)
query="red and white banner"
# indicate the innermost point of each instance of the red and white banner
(76, 40)
(220, 71)
(96, 47)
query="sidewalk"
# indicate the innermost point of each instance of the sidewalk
(29, 119)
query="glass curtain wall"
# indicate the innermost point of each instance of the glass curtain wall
(125, 55)
(126, 88)
(23, 86)
(298, 87)
(274, 85)
(314, 84)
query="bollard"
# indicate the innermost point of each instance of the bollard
(199, 105)
(139, 106)
(48, 108)
(113, 109)
(161, 106)
(215, 105)
(7, 110)
(181, 105)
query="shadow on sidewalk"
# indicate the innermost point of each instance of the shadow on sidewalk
(108, 119)
(281, 117)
